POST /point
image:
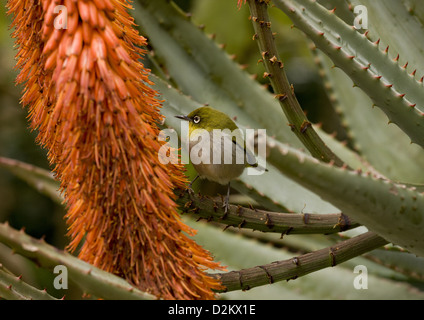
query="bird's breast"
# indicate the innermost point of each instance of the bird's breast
(216, 157)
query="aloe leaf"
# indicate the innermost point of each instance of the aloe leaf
(401, 161)
(282, 191)
(41, 179)
(14, 288)
(392, 210)
(403, 33)
(403, 262)
(415, 9)
(343, 9)
(389, 85)
(91, 279)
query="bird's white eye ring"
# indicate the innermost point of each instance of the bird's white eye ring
(196, 119)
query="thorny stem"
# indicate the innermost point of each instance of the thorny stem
(265, 221)
(295, 267)
(283, 90)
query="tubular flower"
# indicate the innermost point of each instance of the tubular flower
(88, 98)
(240, 3)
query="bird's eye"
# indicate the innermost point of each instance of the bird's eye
(196, 119)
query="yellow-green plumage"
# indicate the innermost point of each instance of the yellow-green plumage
(213, 119)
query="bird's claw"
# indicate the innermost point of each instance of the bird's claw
(226, 206)
(190, 190)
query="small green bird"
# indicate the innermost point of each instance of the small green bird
(218, 152)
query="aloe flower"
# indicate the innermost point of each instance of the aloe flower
(88, 97)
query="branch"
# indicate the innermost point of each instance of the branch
(266, 221)
(246, 279)
(284, 91)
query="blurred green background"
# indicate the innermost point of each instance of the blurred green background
(24, 207)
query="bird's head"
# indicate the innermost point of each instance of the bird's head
(208, 119)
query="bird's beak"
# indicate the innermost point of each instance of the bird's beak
(183, 118)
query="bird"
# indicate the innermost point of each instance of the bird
(217, 149)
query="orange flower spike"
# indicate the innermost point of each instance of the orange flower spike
(88, 97)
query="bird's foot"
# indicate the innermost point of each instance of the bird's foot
(189, 188)
(226, 206)
(190, 191)
(226, 202)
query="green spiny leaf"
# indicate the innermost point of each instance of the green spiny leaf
(91, 279)
(385, 147)
(14, 288)
(389, 85)
(415, 9)
(403, 262)
(41, 179)
(391, 22)
(392, 210)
